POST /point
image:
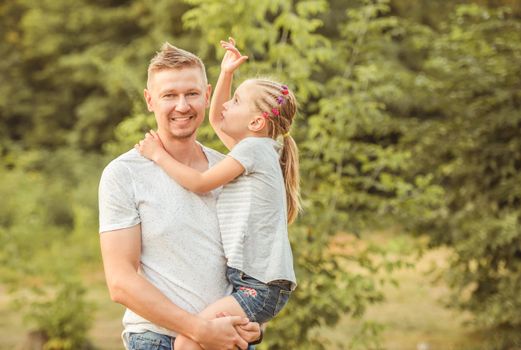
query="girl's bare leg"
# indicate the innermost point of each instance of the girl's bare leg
(227, 304)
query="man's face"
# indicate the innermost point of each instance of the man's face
(178, 98)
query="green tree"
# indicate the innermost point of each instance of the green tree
(409, 114)
(475, 112)
(47, 233)
(71, 66)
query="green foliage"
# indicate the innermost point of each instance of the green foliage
(129, 132)
(475, 80)
(61, 312)
(72, 66)
(409, 115)
(47, 235)
(361, 177)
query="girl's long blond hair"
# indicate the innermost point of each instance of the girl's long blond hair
(265, 100)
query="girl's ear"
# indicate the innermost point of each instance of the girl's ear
(257, 124)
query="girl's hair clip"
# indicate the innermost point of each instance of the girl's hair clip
(265, 115)
(275, 111)
(284, 92)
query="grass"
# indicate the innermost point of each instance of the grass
(104, 334)
(106, 330)
(11, 328)
(413, 314)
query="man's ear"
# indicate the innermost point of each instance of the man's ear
(148, 99)
(257, 124)
(208, 95)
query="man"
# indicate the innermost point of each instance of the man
(160, 243)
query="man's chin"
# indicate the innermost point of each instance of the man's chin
(182, 135)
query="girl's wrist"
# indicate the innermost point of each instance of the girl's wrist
(158, 156)
(226, 74)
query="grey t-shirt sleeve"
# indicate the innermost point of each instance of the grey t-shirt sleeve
(244, 152)
(117, 205)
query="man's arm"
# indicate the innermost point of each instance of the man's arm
(121, 251)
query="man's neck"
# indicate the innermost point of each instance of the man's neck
(185, 151)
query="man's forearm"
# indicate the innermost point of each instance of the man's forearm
(143, 298)
(121, 251)
(147, 301)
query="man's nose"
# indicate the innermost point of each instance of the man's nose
(182, 105)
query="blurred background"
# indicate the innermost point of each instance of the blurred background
(410, 139)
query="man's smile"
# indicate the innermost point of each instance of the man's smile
(182, 119)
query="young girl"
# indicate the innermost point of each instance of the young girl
(260, 194)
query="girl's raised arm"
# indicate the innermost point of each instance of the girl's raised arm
(231, 61)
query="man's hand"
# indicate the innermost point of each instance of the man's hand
(232, 58)
(221, 334)
(250, 332)
(151, 146)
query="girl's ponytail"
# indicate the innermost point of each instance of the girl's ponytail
(279, 106)
(290, 169)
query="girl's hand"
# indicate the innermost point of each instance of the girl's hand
(151, 146)
(232, 58)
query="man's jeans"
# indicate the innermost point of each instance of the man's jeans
(149, 341)
(153, 341)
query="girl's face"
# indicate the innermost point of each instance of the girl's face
(239, 112)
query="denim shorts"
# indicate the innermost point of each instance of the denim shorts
(260, 301)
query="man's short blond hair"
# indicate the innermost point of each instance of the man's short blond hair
(171, 57)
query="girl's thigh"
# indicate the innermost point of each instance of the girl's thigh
(227, 304)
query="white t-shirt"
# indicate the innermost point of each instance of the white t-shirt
(252, 213)
(182, 253)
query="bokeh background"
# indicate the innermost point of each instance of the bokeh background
(410, 138)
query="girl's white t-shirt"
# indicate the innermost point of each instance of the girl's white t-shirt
(252, 214)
